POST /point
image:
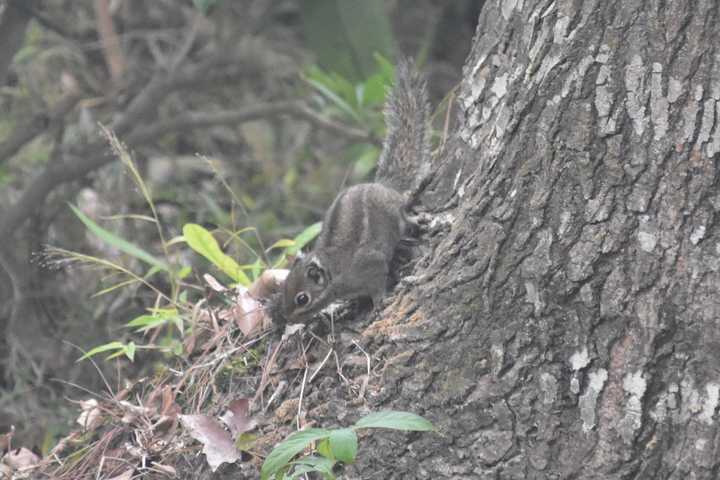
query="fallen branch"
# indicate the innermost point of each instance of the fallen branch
(193, 120)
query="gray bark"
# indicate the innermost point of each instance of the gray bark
(565, 320)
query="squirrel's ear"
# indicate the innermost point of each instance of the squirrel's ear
(316, 273)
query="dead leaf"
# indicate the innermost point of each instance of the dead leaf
(236, 417)
(22, 458)
(165, 469)
(132, 412)
(169, 410)
(218, 446)
(90, 417)
(213, 283)
(248, 313)
(126, 475)
(168, 400)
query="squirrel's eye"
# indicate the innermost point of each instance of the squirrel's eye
(301, 299)
(316, 275)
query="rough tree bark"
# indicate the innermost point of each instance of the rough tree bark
(565, 323)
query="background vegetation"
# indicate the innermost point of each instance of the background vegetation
(242, 113)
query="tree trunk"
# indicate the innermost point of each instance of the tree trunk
(564, 323)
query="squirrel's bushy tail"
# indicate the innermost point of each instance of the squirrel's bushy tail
(405, 158)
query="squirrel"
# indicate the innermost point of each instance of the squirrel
(367, 224)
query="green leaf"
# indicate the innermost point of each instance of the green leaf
(103, 348)
(288, 448)
(130, 351)
(344, 444)
(282, 243)
(366, 158)
(332, 81)
(323, 448)
(245, 441)
(387, 69)
(375, 89)
(152, 271)
(205, 244)
(118, 242)
(149, 321)
(256, 268)
(305, 237)
(298, 471)
(335, 99)
(158, 318)
(116, 354)
(315, 463)
(395, 420)
(184, 272)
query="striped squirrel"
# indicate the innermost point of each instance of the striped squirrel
(367, 223)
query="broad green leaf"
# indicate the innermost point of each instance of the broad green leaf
(344, 444)
(323, 448)
(317, 464)
(288, 448)
(298, 471)
(245, 441)
(375, 89)
(205, 244)
(395, 420)
(103, 348)
(118, 242)
(343, 34)
(305, 237)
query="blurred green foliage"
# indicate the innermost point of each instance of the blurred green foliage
(346, 34)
